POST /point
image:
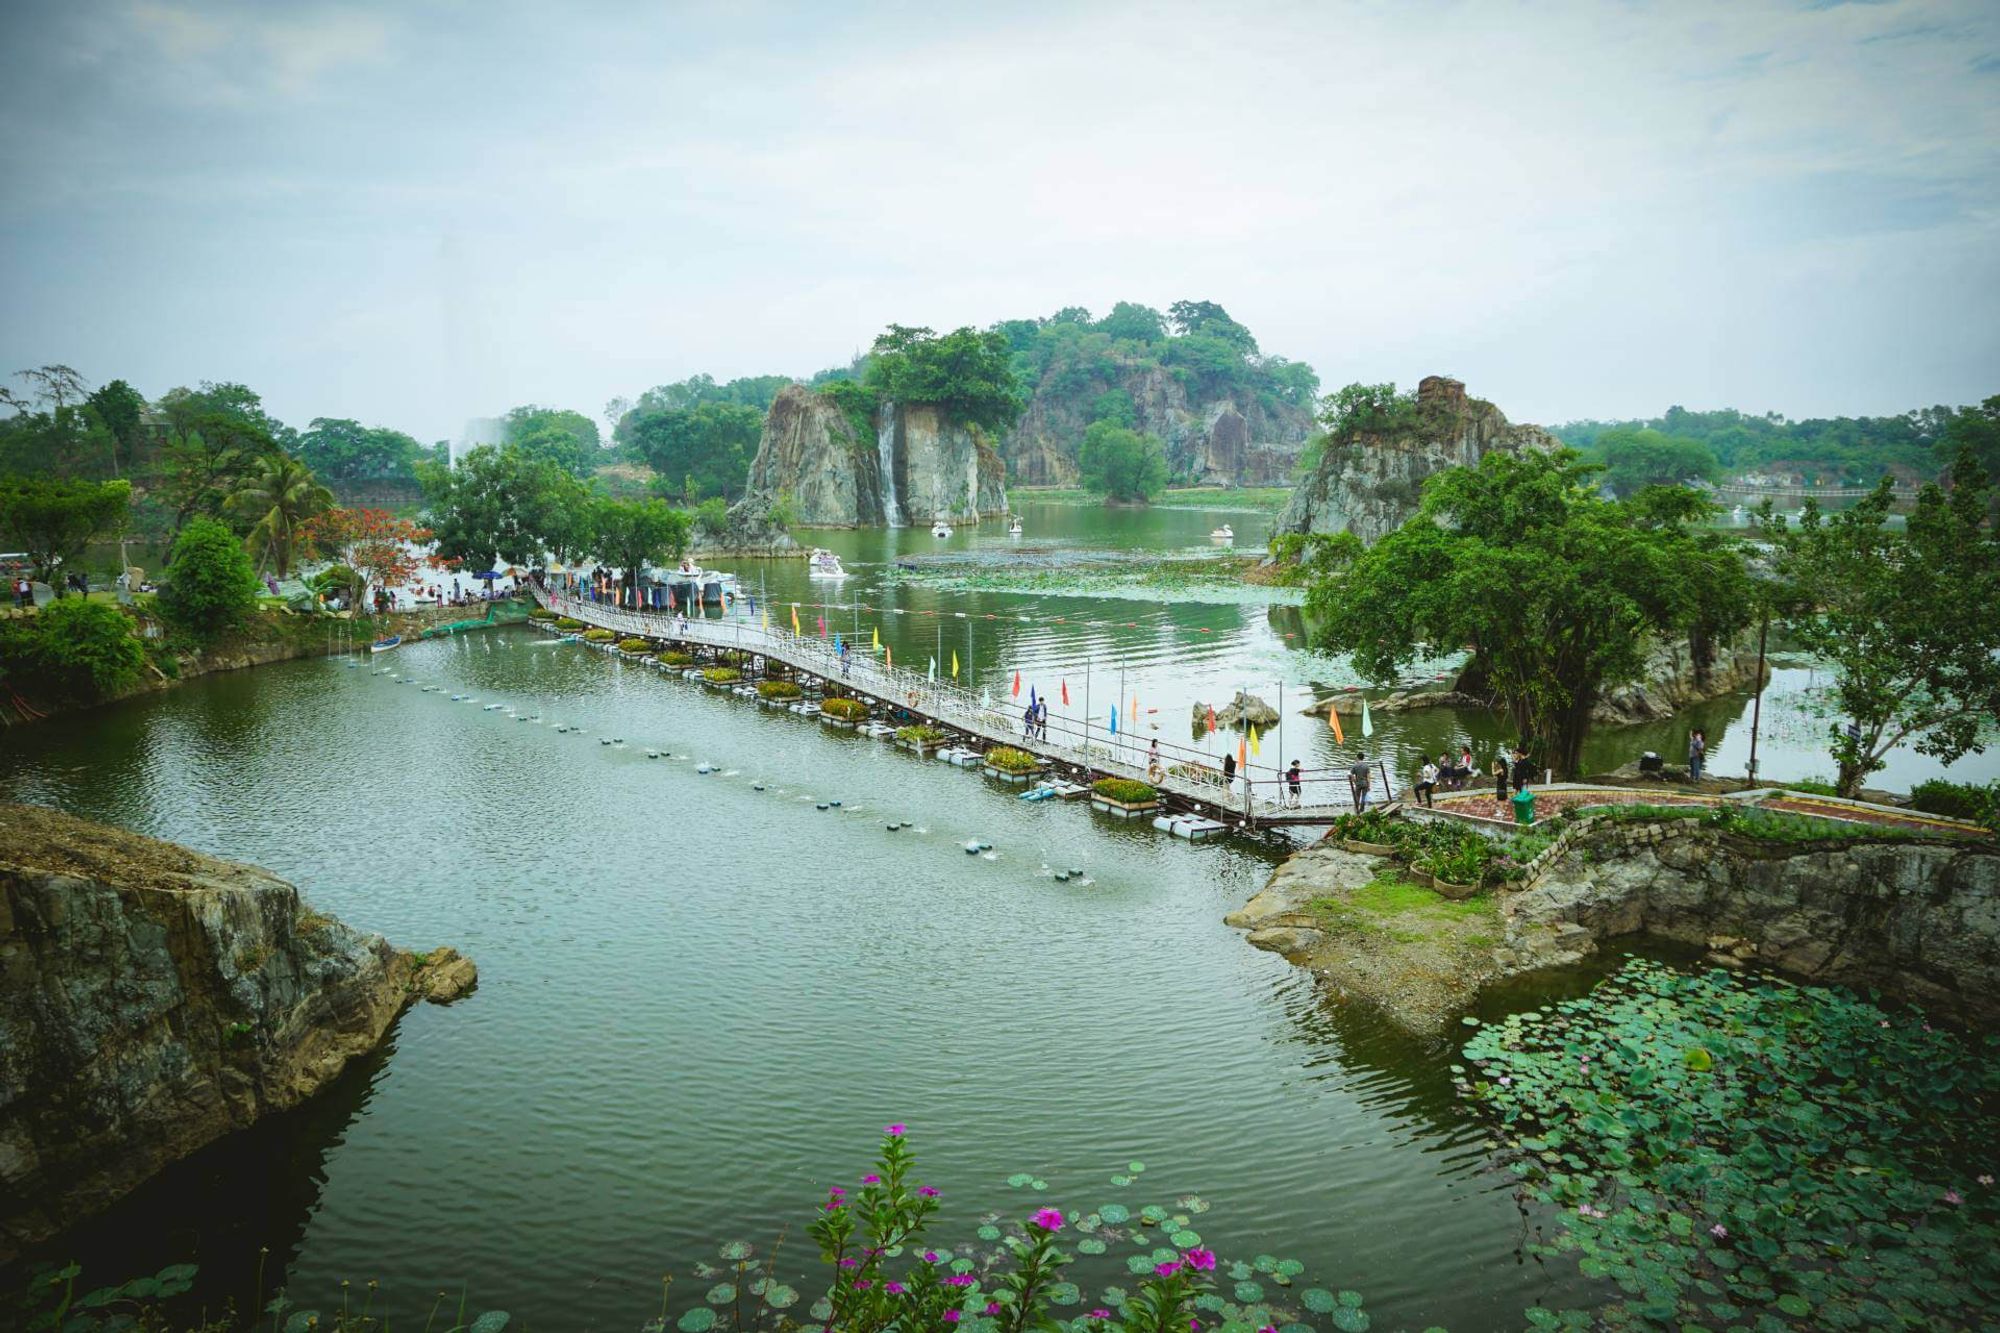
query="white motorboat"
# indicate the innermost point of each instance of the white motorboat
(1225, 533)
(940, 529)
(824, 564)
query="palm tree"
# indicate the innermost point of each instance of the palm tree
(282, 493)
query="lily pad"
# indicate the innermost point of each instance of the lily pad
(780, 1297)
(1090, 1245)
(1249, 1291)
(722, 1293)
(736, 1251)
(1064, 1293)
(1318, 1299)
(1114, 1213)
(698, 1320)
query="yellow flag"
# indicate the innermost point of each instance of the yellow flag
(954, 664)
(795, 617)
(878, 638)
(1254, 747)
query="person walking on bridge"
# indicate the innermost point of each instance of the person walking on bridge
(1358, 781)
(1295, 784)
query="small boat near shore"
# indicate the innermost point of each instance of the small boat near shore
(384, 645)
(940, 529)
(824, 564)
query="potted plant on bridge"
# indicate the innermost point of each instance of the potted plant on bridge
(1011, 765)
(1123, 797)
(920, 739)
(721, 678)
(778, 693)
(843, 714)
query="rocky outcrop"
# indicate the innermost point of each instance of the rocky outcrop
(812, 455)
(1918, 920)
(911, 466)
(1245, 710)
(1367, 483)
(749, 528)
(1671, 681)
(1232, 438)
(153, 999)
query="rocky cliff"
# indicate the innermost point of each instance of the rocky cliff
(910, 467)
(153, 999)
(1367, 483)
(1233, 438)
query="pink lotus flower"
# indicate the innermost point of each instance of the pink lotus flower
(1100, 1314)
(927, 1191)
(1952, 1197)
(1202, 1260)
(1506, 1080)
(1167, 1269)
(1719, 1231)
(894, 1131)
(930, 1256)
(871, 1179)
(951, 1316)
(1049, 1219)
(960, 1280)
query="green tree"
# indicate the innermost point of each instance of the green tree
(1206, 319)
(200, 474)
(1137, 323)
(698, 451)
(568, 439)
(1635, 459)
(346, 453)
(502, 505)
(965, 374)
(631, 534)
(1556, 590)
(1372, 409)
(56, 520)
(1122, 464)
(210, 584)
(1909, 622)
(76, 650)
(1975, 428)
(123, 412)
(279, 494)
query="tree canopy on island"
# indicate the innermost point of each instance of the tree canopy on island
(1555, 590)
(964, 373)
(1121, 464)
(504, 506)
(1910, 621)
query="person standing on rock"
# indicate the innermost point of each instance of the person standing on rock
(1358, 781)
(1697, 754)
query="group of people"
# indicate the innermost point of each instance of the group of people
(1035, 720)
(1448, 774)
(1444, 774)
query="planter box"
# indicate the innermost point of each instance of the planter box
(920, 748)
(1367, 848)
(1417, 874)
(1008, 775)
(840, 724)
(776, 703)
(1122, 809)
(1456, 892)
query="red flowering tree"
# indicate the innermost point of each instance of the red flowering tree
(384, 550)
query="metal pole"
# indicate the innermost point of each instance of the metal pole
(1757, 700)
(1086, 719)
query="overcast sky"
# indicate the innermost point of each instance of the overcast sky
(413, 213)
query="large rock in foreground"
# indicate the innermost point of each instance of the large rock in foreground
(153, 999)
(1367, 484)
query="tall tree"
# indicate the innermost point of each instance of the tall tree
(1121, 464)
(1206, 319)
(1635, 459)
(504, 505)
(1909, 622)
(568, 439)
(121, 409)
(631, 534)
(964, 373)
(210, 585)
(699, 451)
(346, 453)
(279, 494)
(56, 520)
(1556, 590)
(379, 547)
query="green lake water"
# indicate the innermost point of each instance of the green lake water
(699, 1002)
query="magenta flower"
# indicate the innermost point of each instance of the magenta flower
(850, 1262)
(1951, 1197)
(1203, 1260)
(951, 1316)
(927, 1191)
(1268, 1328)
(1167, 1269)
(894, 1131)
(993, 1307)
(1100, 1314)
(862, 1284)
(836, 1191)
(1719, 1231)
(1049, 1219)
(894, 1288)
(930, 1256)
(960, 1280)
(871, 1180)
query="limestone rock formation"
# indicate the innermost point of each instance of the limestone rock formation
(910, 466)
(1367, 483)
(1245, 710)
(1237, 438)
(152, 999)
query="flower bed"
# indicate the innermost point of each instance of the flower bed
(722, 675)
(778, 690)
(1124, 790)
(674, 658)
(598, 636)
(1010, 760)
(633, 645)
(846, 710)
(568, 623)
(921, 737)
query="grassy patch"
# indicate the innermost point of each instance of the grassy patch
(1393, 906)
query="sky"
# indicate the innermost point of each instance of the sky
(421, 212)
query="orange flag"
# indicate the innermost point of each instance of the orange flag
(1065, 692)
(1211, 719)
(1017, 684)
(1243, 755)
(888, 657)
(1333, 720)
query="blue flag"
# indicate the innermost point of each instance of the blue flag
(1114, 719)
(1031, 696)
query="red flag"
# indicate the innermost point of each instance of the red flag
(1017, 684)
(1065, 694)
(1211, 719)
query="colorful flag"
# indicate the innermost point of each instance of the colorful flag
(1254, 747)
(1211, 719)
(1017, 684)
(1333, 720)
(1065, 694)
(1031, 696)
(877, 644)
(932, 673)
(822, 627)
(670, 599)
(1367, 722)
(888, 657)
(1114, 719)
(795, 617)
(1243, 757)
(954, 664)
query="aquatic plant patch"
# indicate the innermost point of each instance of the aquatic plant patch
(1124, 790)
(847, 710)
(778, 689)
(633, 645)
(1010, 760)
(722, 675)
(1742, 1152)
(922, 733)
(598, 636)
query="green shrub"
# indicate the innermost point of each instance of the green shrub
(847, 710)
(924, 732)
(568, 623)
(1959, 800)
(598, 636)
(778, 689)
(633, 645)
(211, 586)
(1368, 826)
(1124, 789)
(722, 675)
(1812, 787)
(1009, 760)
(674, 658)
(72, 650)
